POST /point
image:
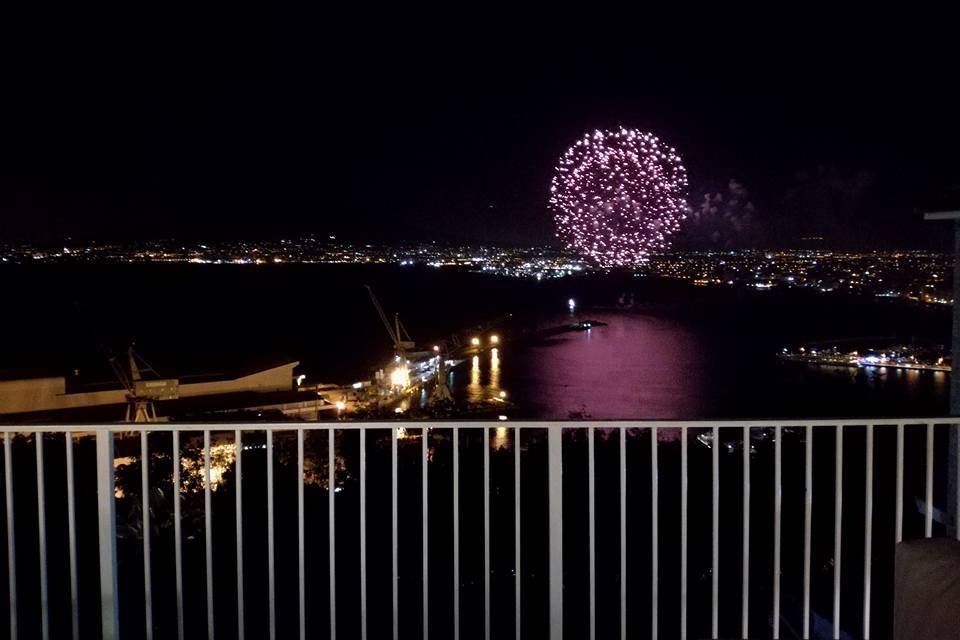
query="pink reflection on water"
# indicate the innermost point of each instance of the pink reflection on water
(636, 367)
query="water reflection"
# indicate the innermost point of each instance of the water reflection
(474, 389)
(636, 366)
(477, 391)
(501, 438)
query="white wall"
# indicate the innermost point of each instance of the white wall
(48, 394)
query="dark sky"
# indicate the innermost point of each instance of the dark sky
(247, 122)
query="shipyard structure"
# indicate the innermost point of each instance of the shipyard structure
(43, 395)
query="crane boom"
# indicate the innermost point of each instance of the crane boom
(119, 372)
(402, 331)
(383, 318)
(134, 369)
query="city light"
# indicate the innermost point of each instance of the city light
(904, 356)
(475, 341)
(400, 377)
(502, 417)
(436, 347)
(571, 304)
(916, 275)
(341, 405)
(494, 339)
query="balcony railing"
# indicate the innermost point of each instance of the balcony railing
(635, 454)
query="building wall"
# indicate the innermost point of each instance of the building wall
(49, 394)
(275, 379)
(17, 396)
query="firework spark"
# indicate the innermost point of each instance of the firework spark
(617, 196)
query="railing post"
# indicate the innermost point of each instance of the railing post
(555, 489)
(11, 544)
(953, 455)
(107, 531)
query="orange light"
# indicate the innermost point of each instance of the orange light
(400, 377)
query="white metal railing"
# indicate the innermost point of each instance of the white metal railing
(107, 529)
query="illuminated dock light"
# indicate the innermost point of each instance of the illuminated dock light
(399, 410)
(503, 394)
(475, 341)
(300, 379)
(502, 417)
(341, 405)
(494, 339)
(400, 377)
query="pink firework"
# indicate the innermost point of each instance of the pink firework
(617, 196)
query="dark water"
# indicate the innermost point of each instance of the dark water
(682, 352)
(715, 358)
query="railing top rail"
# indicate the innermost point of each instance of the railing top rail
(476, 424)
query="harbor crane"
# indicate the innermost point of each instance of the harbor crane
(396, 330)
(141, 394)
(403, 344)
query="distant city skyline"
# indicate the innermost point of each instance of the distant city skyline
(921, 276)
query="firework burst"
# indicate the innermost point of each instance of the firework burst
(617, 196)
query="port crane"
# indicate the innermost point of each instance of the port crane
(403, 344)
(396, 331)
(141, 394)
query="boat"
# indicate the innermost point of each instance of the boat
(585, 325)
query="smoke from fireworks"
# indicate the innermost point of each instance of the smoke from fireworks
(617, 196)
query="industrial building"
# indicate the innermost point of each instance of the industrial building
(42, 395)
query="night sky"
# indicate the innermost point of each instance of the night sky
(246, 123)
